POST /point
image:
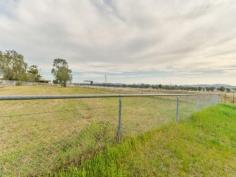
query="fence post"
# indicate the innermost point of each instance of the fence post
(177, 109)
(119, 127)
(233, 97)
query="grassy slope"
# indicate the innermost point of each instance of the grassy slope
(204, 145)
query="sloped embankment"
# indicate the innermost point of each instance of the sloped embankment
(204, 145)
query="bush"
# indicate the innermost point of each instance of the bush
(18, 83)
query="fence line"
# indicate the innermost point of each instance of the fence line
(29, 139)
(45, 97)
(119, 96)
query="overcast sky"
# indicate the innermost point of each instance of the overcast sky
(134, 41)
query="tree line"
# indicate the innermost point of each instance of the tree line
(14, 67)
(165, 87)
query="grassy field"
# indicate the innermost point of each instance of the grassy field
(41, 136)
(204, 145)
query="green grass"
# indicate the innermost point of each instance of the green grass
(41, 136)
(204, 145)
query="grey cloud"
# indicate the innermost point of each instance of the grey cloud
(123, 36)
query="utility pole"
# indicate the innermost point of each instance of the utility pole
(105, 77)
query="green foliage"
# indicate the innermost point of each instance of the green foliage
(201, 146)
(12, 65)
(61, 72)
(33, 73)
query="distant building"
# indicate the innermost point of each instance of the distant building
(89, 81)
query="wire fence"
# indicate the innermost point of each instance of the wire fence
(41, 134)
(229, 97)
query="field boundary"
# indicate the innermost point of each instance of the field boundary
(119, 96)
(82, 96)
(117, 116)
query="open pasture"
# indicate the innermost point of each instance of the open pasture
(38, 137)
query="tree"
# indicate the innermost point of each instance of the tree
(12, 65)
(1, 61)
(33, 73)
(61, 71)
(222, 89)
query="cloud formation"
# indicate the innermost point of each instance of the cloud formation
(182, 41)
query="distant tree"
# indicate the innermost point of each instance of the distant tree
(33, 73)
(12, 65)
(61, 71)
(210, 88)
(228, 90)
(222, 89)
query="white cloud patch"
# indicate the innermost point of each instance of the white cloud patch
(181, 41)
